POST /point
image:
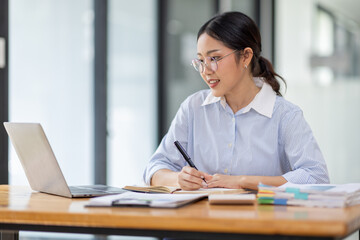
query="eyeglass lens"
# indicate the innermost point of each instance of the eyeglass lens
(210, 63)
(200, 66)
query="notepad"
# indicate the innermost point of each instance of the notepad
(232, 198)
(135, 199)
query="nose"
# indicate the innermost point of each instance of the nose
(207, 69)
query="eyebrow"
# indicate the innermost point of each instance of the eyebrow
(210, 51)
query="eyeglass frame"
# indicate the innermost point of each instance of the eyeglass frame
(212, 60)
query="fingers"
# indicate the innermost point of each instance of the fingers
(191, 179)
(225, 181)
(215, 181)
(193, 172)
(207, 176)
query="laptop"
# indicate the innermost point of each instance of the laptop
(41, 167)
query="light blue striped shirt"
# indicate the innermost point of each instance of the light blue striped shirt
(269, 137)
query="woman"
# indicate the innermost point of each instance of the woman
(242, 131)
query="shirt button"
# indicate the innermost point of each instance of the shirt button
(233, 119)
(230, 145)
(225, 170)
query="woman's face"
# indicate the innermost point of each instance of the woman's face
(229, 74)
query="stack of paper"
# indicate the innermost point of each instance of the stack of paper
(310, 195)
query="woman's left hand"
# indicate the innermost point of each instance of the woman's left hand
(224, 181)
(243, 181)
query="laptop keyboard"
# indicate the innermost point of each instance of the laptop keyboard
(95, 189)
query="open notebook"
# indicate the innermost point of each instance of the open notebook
(168, 189)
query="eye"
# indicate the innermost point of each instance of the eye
(215, 58)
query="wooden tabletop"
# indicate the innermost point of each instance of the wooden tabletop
(20, 205)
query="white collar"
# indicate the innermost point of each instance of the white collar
(263, 102)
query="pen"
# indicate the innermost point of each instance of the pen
(186, 156)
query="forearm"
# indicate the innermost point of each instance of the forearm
(252, 182)
(165, 177)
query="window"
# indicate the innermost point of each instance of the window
(315, 53)
(181, 79)
(50, 80)
(131, 89)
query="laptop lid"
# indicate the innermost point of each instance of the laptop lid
(37, 158)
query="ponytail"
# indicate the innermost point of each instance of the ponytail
(267, 72)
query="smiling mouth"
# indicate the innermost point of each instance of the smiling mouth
(213, 81)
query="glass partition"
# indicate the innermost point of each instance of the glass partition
(318, 53)
(184, 20)
(245, 6)
(50, 80)
(131, 89)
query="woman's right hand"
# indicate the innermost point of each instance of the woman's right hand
(191, 179)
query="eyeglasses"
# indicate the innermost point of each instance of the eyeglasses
(211, 62)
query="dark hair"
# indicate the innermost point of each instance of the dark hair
(237, 31)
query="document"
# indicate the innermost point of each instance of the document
(213, 191)
(135, 199)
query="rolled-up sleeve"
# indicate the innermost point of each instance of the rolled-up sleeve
(302, 151)
(167, 156)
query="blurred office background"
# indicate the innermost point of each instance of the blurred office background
(105, 78)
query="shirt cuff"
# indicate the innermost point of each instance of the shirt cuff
(299, 176)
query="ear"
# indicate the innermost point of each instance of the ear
(247, 57)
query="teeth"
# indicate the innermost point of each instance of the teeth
(213, 81)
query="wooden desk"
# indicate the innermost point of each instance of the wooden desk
(23, 209)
